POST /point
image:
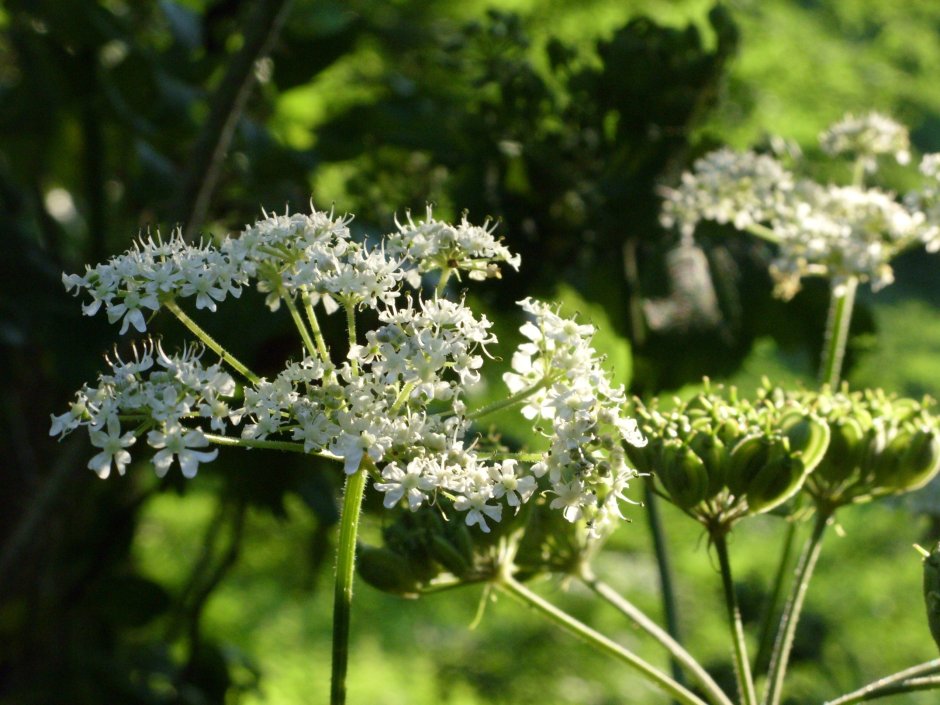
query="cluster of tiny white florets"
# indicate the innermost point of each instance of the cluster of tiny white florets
(833, 231)
(926, 200)
(436, 245)
(157, 393)
(394, 406)
(741, 188)
(585, 463)
(866, 138)
(843, 231)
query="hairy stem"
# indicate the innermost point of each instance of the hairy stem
(713, 691)
(920, 677)
(210, 342)
(351, 331)
(345, 572)
(837, 331)
(677, 691)
(661, 551)
(315, 327)
(765, 638)
(791, 611)
(442, 282)
(299, 323)
(742, 665)
(511, 400)
(288, 446)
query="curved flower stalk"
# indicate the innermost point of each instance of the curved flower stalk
(391, 405)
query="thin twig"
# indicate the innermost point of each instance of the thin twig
(262, 27)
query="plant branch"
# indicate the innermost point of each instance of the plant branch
(289, 446)
(210, 342)
(766, 634)
(712, 690)
(517, 590)
(660, 550)
(742, 664)
(345, 573)
(312, 348)
(908, 680)
(763, 232)
(791, 611)
(315, 327)
(837, 331)
(512, 399)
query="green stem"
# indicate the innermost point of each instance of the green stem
(791, 611)
(512, 587)
(402, 397)
(209, 342)
(766, 634)
(712, 690)
(351, 330)
(299, 323)
(289, 446)
(345, 572)
(315, 327)
(763, 232)
(741, 662)
(858, 173)
(512, 399)
(837, 331)
(442, 282)
(661, 552)
(522, 457)
(909, 679)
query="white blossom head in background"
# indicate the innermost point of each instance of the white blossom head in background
(393, 403)
(837, 231)
(866, 138)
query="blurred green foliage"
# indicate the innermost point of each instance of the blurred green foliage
(560, 120)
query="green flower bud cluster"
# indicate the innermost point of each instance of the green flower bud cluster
(880, 445)
(720, 458)
(426, 550)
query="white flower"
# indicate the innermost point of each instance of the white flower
(112, 445)
(477, 505)
(409, 483)
(570, 498)
(176, 441)
(130, 310)
(508, 483)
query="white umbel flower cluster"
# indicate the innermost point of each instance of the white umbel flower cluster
(435, 245)
(585, 463)
(741, 188)
(839, 232)
(156, 393)
(866, 138)
(926, 200)
(393, 405)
